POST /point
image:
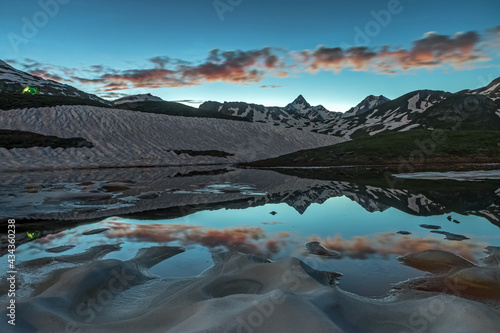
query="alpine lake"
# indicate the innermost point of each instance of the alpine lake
(270, 214)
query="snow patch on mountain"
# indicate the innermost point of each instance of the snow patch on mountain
(369, 103)
(138, 98)
(299, 113)
(491, 89)
(299, 105)
(323, 112)
(127, 138)
(409, 127)
(419, 103)
(412, 103)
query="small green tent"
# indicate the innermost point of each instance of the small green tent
(31, 90)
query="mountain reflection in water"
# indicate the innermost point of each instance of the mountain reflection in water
(215, 210)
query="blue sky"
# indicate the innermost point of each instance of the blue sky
(334, 53)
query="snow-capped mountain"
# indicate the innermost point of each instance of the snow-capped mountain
(398, 114)
(252, 112)
(138, 98)
(372, 115)
(369, 103)
(469, 110)
(299, 105)
(303, 109)
(13, 81)
(418, 109)
(325, 113)
(265, 188)
(378, 199)
(492, 90)
(299, 113)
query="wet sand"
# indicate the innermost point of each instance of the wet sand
(245, 293)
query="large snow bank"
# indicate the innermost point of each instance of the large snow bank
(127, 138)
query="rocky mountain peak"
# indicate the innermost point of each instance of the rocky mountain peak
(370, 102)
(299, 105)
(300, 100)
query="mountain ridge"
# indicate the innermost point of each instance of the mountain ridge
(419, 109)
(137, 98)
(13, 81)
(367, 104)
(477, 109)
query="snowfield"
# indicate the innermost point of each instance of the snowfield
(126, 138)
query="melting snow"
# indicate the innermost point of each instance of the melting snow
(412, 103)
(407, 128)
(491, 89)
(454, 175)
(128, 138)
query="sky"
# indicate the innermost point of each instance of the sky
(334, 53)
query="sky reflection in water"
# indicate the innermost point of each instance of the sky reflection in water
(367, 240)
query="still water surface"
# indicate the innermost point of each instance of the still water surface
(254, 211)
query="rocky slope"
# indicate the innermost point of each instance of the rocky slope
(423, 109)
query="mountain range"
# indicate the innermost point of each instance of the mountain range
(477, 109)
(423, 109)
(175, 192)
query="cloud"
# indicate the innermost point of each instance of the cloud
(44, 70)
(272, 86)
(434, 49)
(138, 78)
(282, 74)
(360, 57)
(117, 86)
(47, 76)
(257, 241)
(232, 66)
(86, 81)
(113, 95)
(240, 239)
(160, 62)
(323, 58)
(430, 51)
(272, 61)
(30, 63)
(238, 66)
(460, 51)
(493, 36)
(361, 247)
(191, 101)
(97, 68)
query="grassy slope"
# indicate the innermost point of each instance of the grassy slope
(175, 109)
(16, 101)
(418, 147)
(20, 139)
(462, 112)
(9, 102)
